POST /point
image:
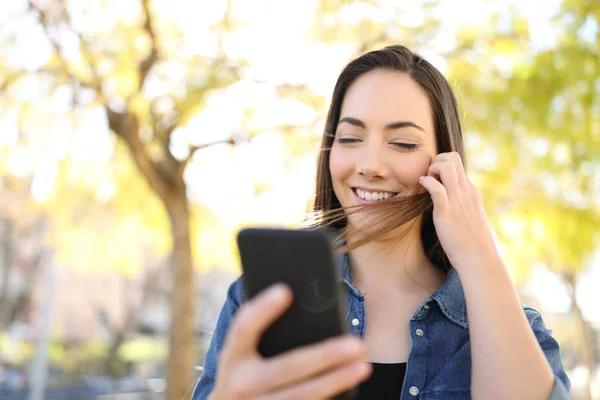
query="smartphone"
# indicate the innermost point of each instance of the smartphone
(305, 261)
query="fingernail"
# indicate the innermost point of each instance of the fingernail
(362, 369)
(276, 292)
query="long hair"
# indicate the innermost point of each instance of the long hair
(400, 210)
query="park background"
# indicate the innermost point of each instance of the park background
(138, 136)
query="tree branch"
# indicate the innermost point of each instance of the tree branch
(147, 64)
(126, 126)
(162, 128)
(70, 74)
(193, 149)
(13, 78)
(164, 137)
(8, 81)
(82, 46)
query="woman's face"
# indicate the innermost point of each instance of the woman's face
(384, 139)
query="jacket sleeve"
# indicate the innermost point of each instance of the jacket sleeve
(550, 347)
(232, 304)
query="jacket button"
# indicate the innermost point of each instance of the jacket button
(414, 390)
(355, 322)
(419, 332)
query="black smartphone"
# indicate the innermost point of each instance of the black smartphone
(305, 261)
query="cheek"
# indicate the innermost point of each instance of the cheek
(338, 165)
(415, 167)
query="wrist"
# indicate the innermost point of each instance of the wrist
(481, 269)
(479, 264)
(490, 281)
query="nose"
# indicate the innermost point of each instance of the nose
(372, 163)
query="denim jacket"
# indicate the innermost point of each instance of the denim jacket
(439, 363)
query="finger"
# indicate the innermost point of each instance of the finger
(455, 158)
(253, 318)
(437, 192)
(304, 362)
(447, 173)
(325, 386)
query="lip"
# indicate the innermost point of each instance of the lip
(360, 200)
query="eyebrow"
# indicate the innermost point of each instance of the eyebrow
(390, 126)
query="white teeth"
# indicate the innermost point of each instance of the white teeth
(369, 196)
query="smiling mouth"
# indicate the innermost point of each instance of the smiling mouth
(373, 195)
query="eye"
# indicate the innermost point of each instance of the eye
(347, 140)
(405, 146)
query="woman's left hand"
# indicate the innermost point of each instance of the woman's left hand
(458, 214)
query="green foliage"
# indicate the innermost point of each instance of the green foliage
(531, 119)
(537, 123)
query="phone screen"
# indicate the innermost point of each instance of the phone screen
(305, 261)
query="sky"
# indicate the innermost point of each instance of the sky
(274, 58)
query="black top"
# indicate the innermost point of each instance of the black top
(384, 383)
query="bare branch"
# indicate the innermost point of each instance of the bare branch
(193, 149)
(147, 64)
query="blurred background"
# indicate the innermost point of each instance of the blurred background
(138, 136)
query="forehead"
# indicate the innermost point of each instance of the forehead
(380, 97)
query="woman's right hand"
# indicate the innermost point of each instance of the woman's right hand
(317, 371)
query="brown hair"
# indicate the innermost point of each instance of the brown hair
(392, 214)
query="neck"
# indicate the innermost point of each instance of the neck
(399, 261)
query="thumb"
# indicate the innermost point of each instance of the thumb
(253, 318)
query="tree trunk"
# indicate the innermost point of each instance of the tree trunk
(169, 185)
(14, 306)
(112, 363)
(181, 338)
(588, 351)
(6, 260)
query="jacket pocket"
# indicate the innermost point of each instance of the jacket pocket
(453, 379)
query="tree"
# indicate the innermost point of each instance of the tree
(22, 249)
(149, 290)
(532, 117)
(120, 59)
(109, 66)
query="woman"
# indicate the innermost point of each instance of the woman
(433, 311)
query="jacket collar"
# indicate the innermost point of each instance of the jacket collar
(450, 296)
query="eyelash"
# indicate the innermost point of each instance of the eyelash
(405, 146)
